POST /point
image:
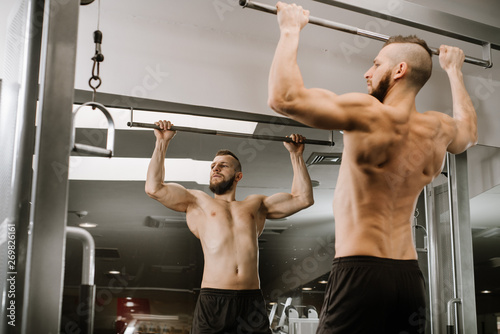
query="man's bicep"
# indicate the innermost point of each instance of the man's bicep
(174, 196)
(280, 205)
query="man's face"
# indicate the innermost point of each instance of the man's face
(380, 91)
(222, 174)
(378, 77)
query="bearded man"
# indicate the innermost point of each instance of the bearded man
(230, 299)
(391, 151)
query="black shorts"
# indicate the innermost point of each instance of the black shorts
(370, 295)
(230, 311)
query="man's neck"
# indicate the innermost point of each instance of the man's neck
(229, 196)
(401, 99)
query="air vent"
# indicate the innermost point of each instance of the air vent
(107, 253)
(164, 222)
(322, 158)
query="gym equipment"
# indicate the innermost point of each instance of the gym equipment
(226, 134)
(361, 32)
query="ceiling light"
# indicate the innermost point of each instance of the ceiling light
(131, 169)
(488, 233)
(114, 272)
(88, 118)
(323, 282)
(486, 291)
(307, 289)
(87, 225)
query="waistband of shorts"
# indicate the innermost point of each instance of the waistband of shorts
(231, 293)
(352, 261)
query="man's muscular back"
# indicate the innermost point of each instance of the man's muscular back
(228, 232)
(383, 171)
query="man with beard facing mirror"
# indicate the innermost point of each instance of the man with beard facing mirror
(230, 299)
(391, 151)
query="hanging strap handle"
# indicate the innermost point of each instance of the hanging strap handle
(95, 150)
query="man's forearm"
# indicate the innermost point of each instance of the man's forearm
(156, 169)
(301, 185)
(285, 77)
(463, 109)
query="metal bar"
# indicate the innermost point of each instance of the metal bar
(87, 289)
(352, 30)
(452, 229)
(230, 134)
(49, 204)
(450, 326)
(458, 177)
(88, 266)
(92, 150)
(417, 16)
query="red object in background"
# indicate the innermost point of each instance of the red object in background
(126, 307)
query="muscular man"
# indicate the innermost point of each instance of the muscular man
(230, 299)
(391, 151)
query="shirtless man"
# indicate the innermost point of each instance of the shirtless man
(230, 299)
(391, 152)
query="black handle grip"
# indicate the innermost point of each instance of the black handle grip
(97, 37)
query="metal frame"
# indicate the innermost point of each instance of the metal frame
(20, 110)
(47, 229)
(137, 103)
(487, 63)
(463, 243)
(457, 314)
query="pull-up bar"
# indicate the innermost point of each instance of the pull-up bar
(224, 133)
(365, 33)
(230, 134)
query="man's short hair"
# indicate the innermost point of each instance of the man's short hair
(227, 152)
(420, 65)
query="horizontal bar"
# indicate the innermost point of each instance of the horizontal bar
(230, 134)
(421, 17)
(94, 150)
(351, 30)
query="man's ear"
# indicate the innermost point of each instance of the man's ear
(238, 177)
(400, 70)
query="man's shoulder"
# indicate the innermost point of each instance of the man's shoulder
(254, 197)
(437, 116)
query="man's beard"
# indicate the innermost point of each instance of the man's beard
(222, 187)
(383, 87)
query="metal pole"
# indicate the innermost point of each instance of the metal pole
(351, 30)
(47, 229)
(231, 134)
(87, 288)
